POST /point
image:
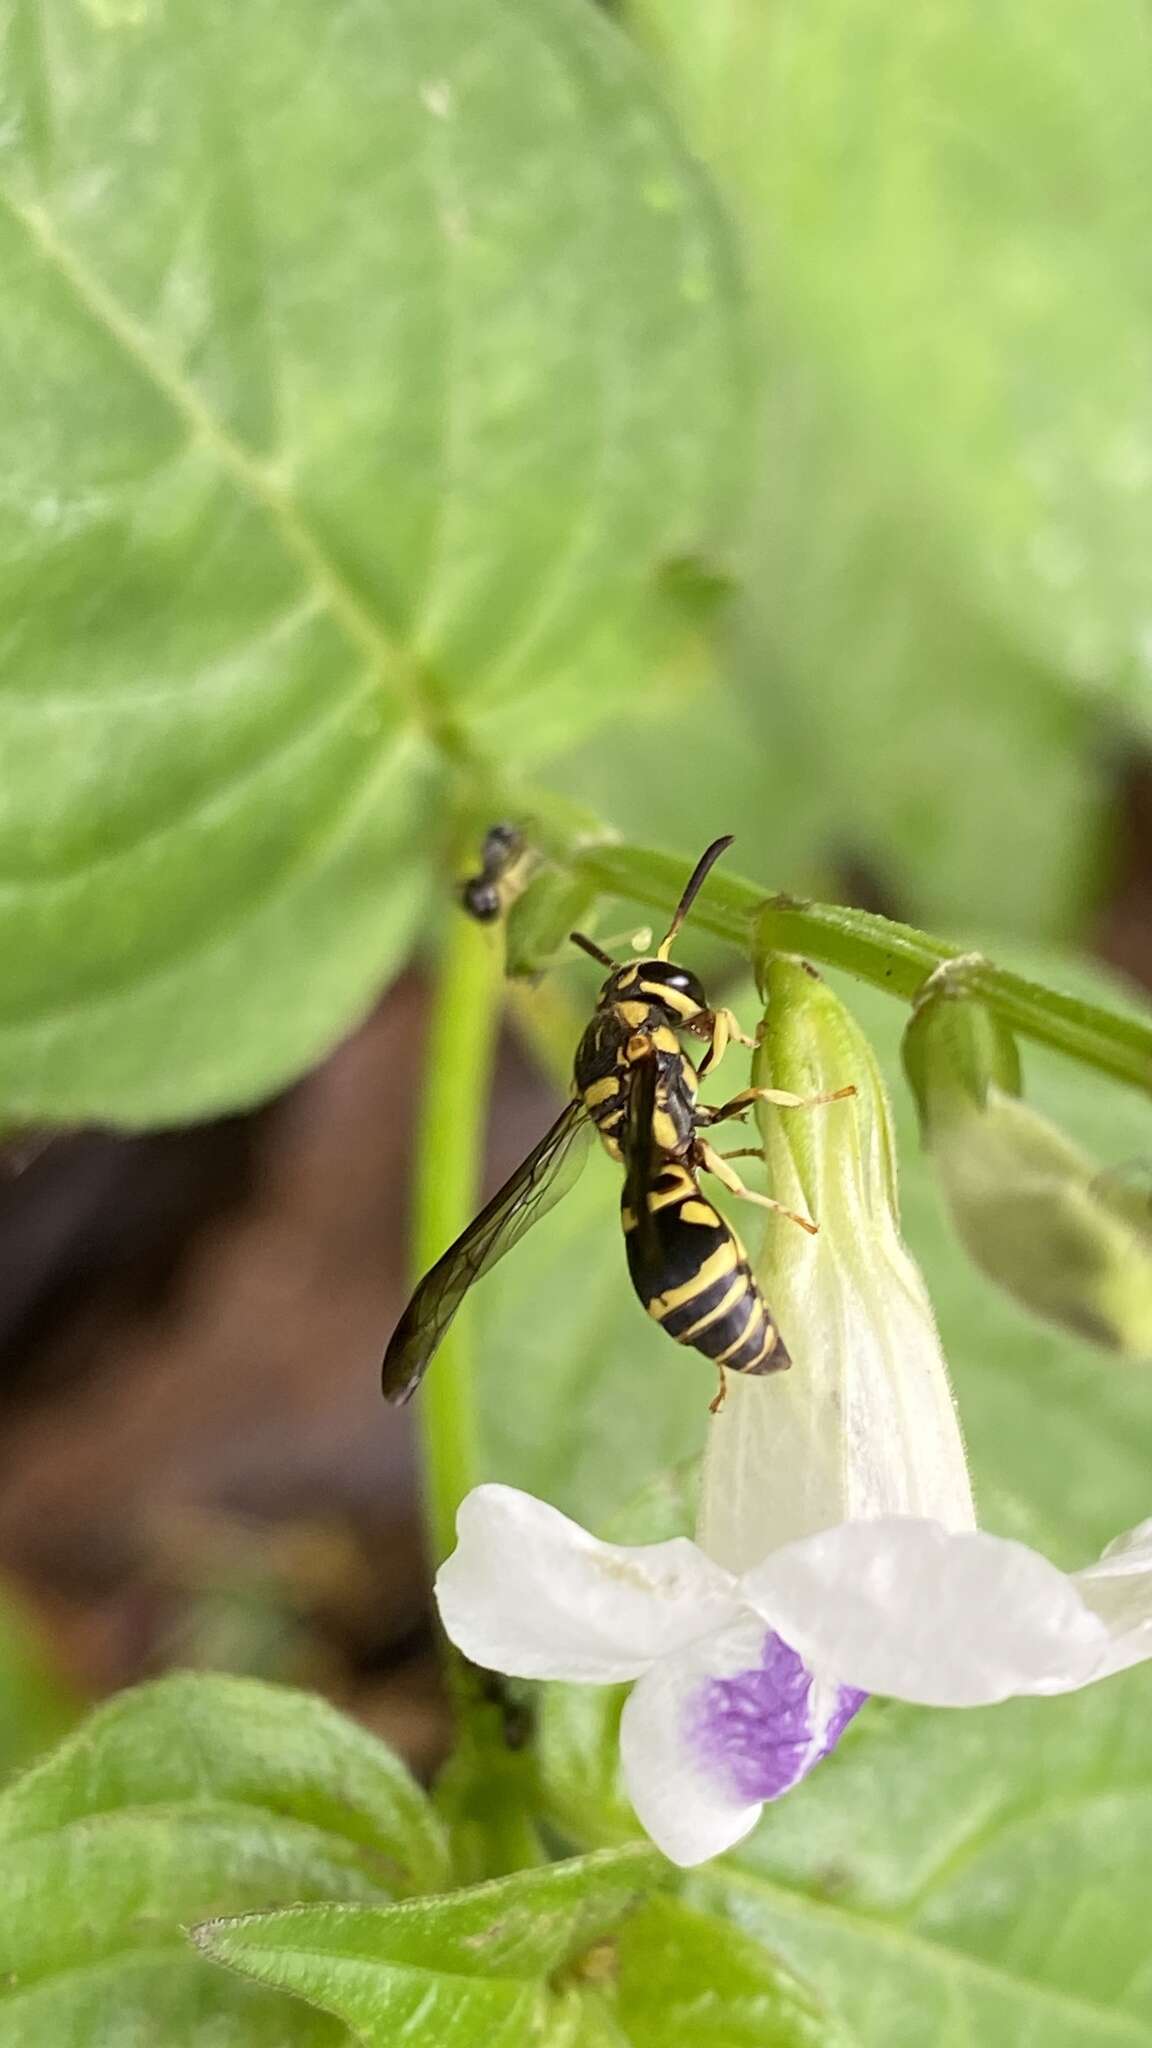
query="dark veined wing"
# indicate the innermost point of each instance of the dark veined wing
(546, 1175)
(640, 1154)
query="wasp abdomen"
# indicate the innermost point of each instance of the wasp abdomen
(693, 1277)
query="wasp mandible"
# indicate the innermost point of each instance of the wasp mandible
(635, 1087)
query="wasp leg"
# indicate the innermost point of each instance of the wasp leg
(782, 1097)
(715, 1163)
(733, 1035)
(723, 1029)
(721, 1394)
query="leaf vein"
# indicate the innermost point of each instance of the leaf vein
(949, 1962)
(257, 481)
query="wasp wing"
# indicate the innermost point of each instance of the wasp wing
(546, 1175)
(641, 1156)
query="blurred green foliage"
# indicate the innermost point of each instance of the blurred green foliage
(37, 1705)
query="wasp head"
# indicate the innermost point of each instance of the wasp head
(673, 991)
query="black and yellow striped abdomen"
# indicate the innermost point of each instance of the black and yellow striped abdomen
(693, 1276)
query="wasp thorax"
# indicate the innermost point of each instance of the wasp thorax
(660, 984)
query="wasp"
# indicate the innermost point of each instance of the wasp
(635, 1088)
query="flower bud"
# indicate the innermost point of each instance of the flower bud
(864, 1424)
(1040, 1217)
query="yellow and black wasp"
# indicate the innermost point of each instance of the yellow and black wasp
(636, 1088)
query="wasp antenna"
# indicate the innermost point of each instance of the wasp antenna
(594, 952)
(692, 888)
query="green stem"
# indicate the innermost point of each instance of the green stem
(891, 956)
(453, 1118)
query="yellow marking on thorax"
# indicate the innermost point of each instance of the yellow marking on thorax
(602, 1091)
(698, 1212)
(718, 1263)
(632, 1014)
(664, 1131)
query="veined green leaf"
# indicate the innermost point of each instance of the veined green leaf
(365, 365)
(688, 1980)
(185, 1798)
(470, 1966)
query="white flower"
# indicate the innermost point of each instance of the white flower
(838, 1554)
(745, 1681)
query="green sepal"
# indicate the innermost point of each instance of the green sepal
(1070, 1240)
(955, 1049)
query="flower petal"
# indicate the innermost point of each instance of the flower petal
(714, 1731)
(950, 1619)
(531, 1593)
(865, 1423)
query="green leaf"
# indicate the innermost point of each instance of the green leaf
(467, 1967)
(687, 1980)
(913, 721)
(181, 1799)
(976, 1876)
(366, 364)
(949, 558)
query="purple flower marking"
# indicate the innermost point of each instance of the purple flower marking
(761, 1729)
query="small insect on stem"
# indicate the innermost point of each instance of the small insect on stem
(506, 862)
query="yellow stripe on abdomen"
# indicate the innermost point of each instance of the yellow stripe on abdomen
(728, 1301)
(716, 1265)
